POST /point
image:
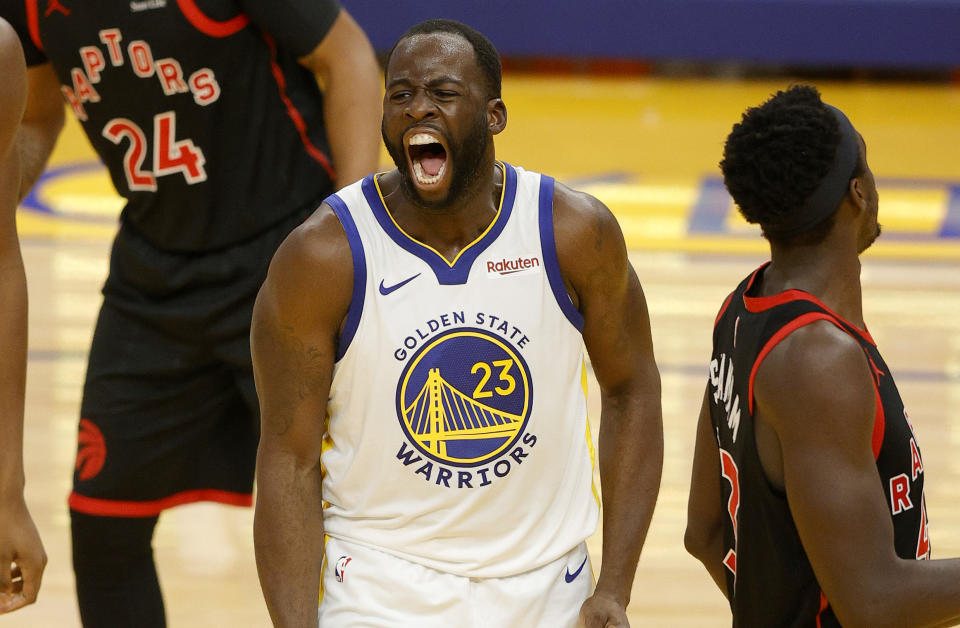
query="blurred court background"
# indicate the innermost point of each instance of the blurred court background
(630, 101)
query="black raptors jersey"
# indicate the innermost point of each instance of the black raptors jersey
(210, 128)
(769, 579)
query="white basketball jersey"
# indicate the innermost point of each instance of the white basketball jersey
(457, 432)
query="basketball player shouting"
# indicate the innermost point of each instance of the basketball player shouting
(417, 350)
(817, 516)
(22, 558)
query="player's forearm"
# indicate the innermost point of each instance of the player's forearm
(13, 339)
(35, 142)
(352, 115)
(288, 539)
(631, 461)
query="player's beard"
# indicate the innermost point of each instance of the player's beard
(872, 229)
(871, 239)
(465, 156)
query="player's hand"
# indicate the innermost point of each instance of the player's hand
(22, 558)
(601, 610)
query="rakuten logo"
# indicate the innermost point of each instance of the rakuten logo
(511, 266)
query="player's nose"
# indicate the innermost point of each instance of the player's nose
(421, 106)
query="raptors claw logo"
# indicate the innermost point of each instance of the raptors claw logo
(91, 450)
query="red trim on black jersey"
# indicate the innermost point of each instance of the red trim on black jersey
(209, 26)
(879, 422)
(753, 276)
(823, 607)
(761, 304)
(723, 308)
(783, 332)
(33, 23)
(294, 114)
(120, 508)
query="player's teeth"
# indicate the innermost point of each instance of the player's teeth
(422, 177)
(423, 138)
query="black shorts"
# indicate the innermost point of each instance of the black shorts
(169, 412)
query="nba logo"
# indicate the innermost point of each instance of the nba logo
(341, 565)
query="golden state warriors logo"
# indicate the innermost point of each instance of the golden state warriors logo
(465, 397)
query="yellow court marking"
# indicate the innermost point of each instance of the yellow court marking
(36, 224)
(662, 138)
(653, 216)
(88, 194)
(907, 210)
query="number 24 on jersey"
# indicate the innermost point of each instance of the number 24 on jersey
(169, 155)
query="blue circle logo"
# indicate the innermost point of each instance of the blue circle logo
(465, 397)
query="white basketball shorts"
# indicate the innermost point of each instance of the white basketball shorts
(366, 588)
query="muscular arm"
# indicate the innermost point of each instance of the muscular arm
(815, 391)
(605, 288)
(296, 321)
(19, 541)
(704, 535)
(42, 122)
(345, 62)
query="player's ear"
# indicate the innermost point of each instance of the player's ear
(496, 115)
(858, 193)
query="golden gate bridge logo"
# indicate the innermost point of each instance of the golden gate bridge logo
(465, 397)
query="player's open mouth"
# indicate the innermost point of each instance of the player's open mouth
(428, 157)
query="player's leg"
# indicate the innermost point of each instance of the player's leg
(116, 578)
(169, 411)
(156, 431)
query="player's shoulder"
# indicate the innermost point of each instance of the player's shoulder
(819, 347)
(580, 207)
(10, 50)
(13, 90)
(585, 230)
(318, 245)
(819, 369)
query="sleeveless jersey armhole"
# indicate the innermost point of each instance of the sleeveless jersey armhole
(723, 309)
(359, 274)
(548, 245)
(879, 422)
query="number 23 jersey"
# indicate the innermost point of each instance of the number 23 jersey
(457, 428)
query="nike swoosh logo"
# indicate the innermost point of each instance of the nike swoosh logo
(385, 290)
(570, 577)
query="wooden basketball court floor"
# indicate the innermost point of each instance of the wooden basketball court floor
(648, 147)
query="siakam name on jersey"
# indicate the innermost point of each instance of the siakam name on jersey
(721, 380)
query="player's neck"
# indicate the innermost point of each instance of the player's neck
(452, 227)
(829, 271)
